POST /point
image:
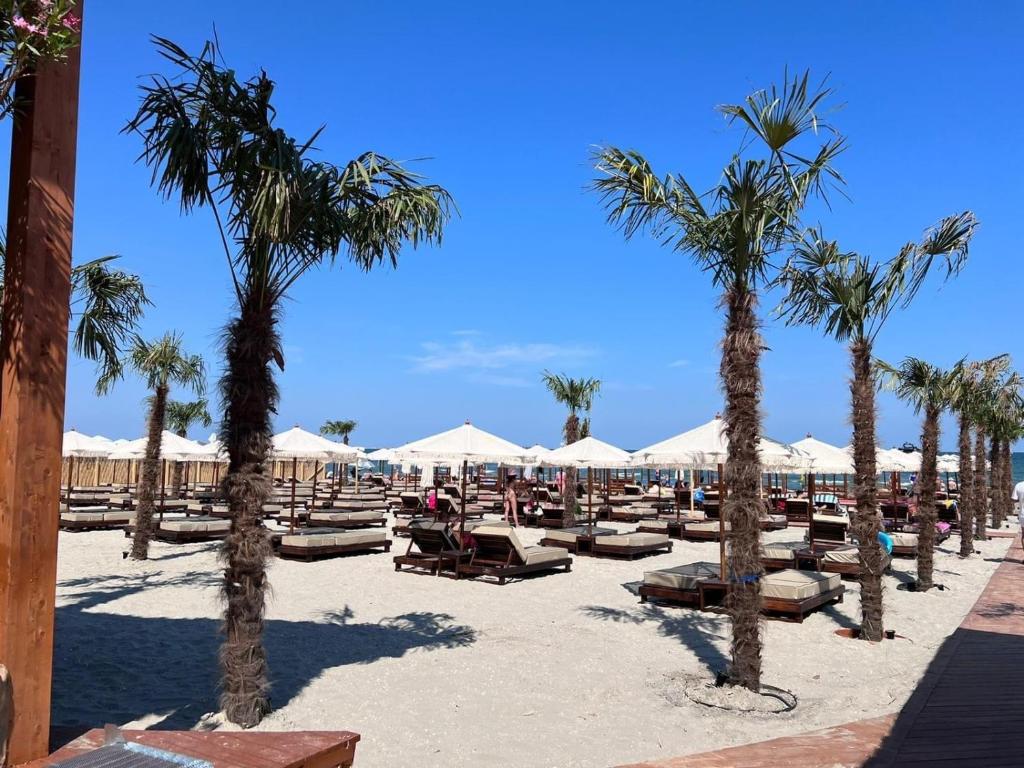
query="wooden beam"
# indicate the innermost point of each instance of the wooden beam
(33, 355)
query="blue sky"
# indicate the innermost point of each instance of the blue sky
(506, 99)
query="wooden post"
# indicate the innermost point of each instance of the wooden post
(33, 355)
(721, 522)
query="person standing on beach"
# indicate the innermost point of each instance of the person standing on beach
(1018, 498)
(511, 504)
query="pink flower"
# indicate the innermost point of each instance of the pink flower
(20, 23)
(72, 22)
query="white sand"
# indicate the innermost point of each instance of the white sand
(563, 670)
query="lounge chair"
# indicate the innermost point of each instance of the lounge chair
(778, 556)
(430, 538)
(95, 519)
(630, 545)
(412, 505)
(706, 531)
(631, 514)
(551, 517)
(796, 593)
(187, 530)
(669, 525)
(577, 539)
(324, 542)
(498, 553)
(796, 510)
(681, 584)
(773, 522)
(845, 561)
(340, 518)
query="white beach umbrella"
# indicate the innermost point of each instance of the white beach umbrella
(460, 445)
(706, 446)
(465, 444)
(948, 462)
(895, 460)
(75, 445)
(537, 454)
(588, 452)
(381, 454)
(297, 443)
(825, 458)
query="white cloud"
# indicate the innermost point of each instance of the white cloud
(498, 380)
(468, 354)
(679, 364)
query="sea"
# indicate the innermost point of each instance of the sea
(795, 481)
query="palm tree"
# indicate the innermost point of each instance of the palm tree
(734, 232)
(930, 390)
(211, 140)
(1003, 422)
(578, 396)
(984, 378)
(180, 418)
(342, 427)
(963, 401)
(851, 298)
(161, 363)
(106, 307)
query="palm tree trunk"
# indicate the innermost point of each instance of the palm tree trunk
(980, 495)
(996, 482)
(150, 470)
(867, 523)
(572, 434)
(1007, 458)
(966, 503)
(741, 377)
(926, 498)
(250, 396)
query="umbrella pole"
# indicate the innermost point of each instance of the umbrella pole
(590, 500)
(721, 522)
(693, 488)
(810, 509)
(316, 471)
(291, 522)
(462, 510)
(163, 487)
(71, 465)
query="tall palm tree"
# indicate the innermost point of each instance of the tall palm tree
(1003, 423)
(929, 390)
(734, 232)
(162, 364)
(341, 427)
(211, 141)
(106, 307)
(180, 418)
(578, 396)
(984, 381)
(963, 400)
(851, 298)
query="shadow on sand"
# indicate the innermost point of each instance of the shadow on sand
(118, 668)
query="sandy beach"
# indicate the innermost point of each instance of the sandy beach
(561, 670)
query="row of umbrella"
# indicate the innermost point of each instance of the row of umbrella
(704, 447)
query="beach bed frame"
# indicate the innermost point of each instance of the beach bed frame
(432, 539)
(600, 548)
(308, 554)
(495, 556)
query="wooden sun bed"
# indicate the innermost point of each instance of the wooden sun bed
(341, 518)
(497, 553)
(680, 584)
(671, 527)
(431, 539)
(630, 545)
(94, 519)
(577, 540)
(707, 530)
(315, 543)
(794, 593)
(186, 530)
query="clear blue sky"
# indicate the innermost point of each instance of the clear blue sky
(506, 99)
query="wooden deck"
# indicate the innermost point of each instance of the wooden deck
(965, 711)
(298, 749)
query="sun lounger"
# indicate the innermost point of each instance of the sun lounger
(667, 525)
(796, 510)
(680, 584)
(191, 529)
(95, 519)
(430, 540)
(498, 553)
(631, 514)
(319, 542)
(796, 593)
(773, 522)
(337, 518)
(845, 561)
(778, 556)
(630, 545)
(706, 531)
(577, 539)
(830, 528)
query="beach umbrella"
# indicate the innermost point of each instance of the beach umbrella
(172, 447)
(75, 445)
(297, 443)
(463, 444)
(590, 454)
(707, 447)
(825, 459)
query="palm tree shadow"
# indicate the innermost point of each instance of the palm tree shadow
(696, 630)
(119, 668)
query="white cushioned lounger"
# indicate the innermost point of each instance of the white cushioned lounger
(345, 538)
(682, 576)
(642, 539)
(709, 526)
(798, 585)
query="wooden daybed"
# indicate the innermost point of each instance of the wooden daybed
(794, 593)
(313, 543)
(499, 554)
(342, 518)
(630, 545)
(187, 530)
(709, 530)
(680, 584)
(94, 519)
